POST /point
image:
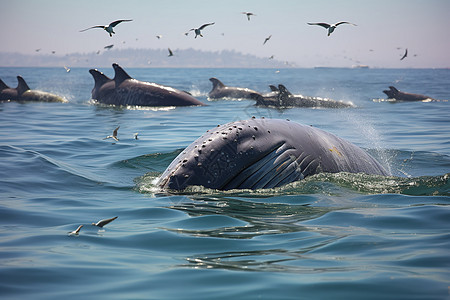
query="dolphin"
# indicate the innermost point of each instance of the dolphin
(263, 153)
(23, 93)
(125, 90)
(220, 90)
(281, 97)
(393, 93)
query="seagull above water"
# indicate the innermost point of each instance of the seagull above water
(198, 30)
(248, 14)
(114, 135)
(108, 28)
(331, 27)
(102, 223)
(76, 231)
(170, 52)
(267, 38)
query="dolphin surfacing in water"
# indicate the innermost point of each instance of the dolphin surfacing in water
(23, 93)
(281, 97)
(125, 90)
(263, 153)
(220, 90)
(394, 93)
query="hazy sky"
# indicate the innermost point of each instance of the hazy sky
(422, 26)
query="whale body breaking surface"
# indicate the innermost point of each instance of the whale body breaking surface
(263, 153)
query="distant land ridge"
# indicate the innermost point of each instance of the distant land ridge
(140, 58)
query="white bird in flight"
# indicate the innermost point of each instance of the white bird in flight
(108, 28)
(114, 135)
(198, 30)
(331, 27)
(102, 223)
(76, 231)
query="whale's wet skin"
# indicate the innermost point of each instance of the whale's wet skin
(264, 153)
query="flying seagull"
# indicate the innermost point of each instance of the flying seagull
(198, 30)
(331, 27)
(405, 55)
(170, 52)
(102, 223)
(114, 135)
(109, 28)
(76, 231)
(267, 38)
(248, 14)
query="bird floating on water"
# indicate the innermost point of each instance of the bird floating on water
(248, 14)
(102, 223)
(76, 231)
(67, 69)
(267, 38)
(108, 28)
(114, 135)
(198, 30)
(331, 27)
(136, 136)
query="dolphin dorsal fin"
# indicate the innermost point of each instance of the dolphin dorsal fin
(3, 85)
(273, 88)
(22, 86)
(99, 78)
(120, 74)
(216, 83)
(393, 89)
(283, 90)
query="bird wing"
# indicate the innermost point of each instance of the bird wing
(343, 22)
(102, 223)
(112, 24)
(170, 51)
(324, 25)
(204, 25)
(405, 55)
(115, 131)
(98, 26)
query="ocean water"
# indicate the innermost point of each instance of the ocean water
(333, 236)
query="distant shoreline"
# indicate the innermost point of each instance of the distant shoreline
(142, 58)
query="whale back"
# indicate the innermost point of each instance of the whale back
(261, 153)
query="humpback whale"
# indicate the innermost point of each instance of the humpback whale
(23, 93)
(281, 97)
(124, 90)
(263, 153)
(220, 90)
(393, 93)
